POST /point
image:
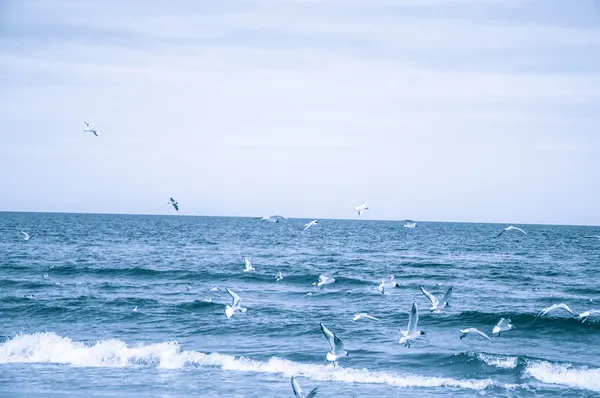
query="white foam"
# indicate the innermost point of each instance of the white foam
(51, 348)
(499, 361)
(583, 378)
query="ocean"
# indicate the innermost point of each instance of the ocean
(67, 295)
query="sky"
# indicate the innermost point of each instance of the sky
(441, 110)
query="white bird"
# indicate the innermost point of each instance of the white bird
(325, 280)
(585, 315)
(310, 224)
(336, 346)
(173, 203)
(298, 391)
(308, 294)
(272, 218)
(279, 276)
(360, 209)
(188, 287)
(249, 266)
(390, 282)
(235, 304)
(26, 235)
(90, 129)
(135, 309)
(438, 306)
(503, 325)
(510, 229)
(410, 224)
(553, 307)
(363, 315)
(464, 333)
(412, 332)
(213, 289)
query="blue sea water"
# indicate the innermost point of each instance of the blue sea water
(67, 325)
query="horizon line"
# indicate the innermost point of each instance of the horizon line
(296, 218)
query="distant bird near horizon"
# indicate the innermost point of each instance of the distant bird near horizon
(173, 203)
(90, 129)
(273, 218)
(510, 229)
(310, 224)
(410, 224)
(360, 209)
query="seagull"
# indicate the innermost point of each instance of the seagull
(361, 208)
(188, 287)
(412, 332)
(388, 283)
(135, 309)
(308, 294)
(336, 346)
(90, 129)
(213, 289)
(503, 325)
(298, 391)
(272, 218)
(235, 304)
(584, 315)
(174, 203)
(325, 280)
(249, 266)
(279, 276)
(363, 315)
(509, 229)
(437, 306)
(410, 224)
(26, 235)
(552, 308)
(464, 333)
(310, 224)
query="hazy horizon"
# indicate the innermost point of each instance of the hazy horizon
(448, 110)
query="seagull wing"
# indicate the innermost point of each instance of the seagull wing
(497, 236)
(479, 332)
(519, 229)
(338, 348)
(26, 234)
(296, 388)
(448, 295)
(313, 393)
(235, 298)
(87, 124)
(370, 317)
(330, 338)
(430, 296)
(413, 319)
(176, 206)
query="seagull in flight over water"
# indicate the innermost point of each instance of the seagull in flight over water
(324, 280)
(279, 276)
(235, 304)
(310, 224)
(464, 332)
(26, 235)
(90, 129)
(272, 218)
(249, 266)
(438, 306)
(585, 315)
(363, 315)
(503, 325)
(360, 209)
(298, 391)
(510, 229)
(174, 203)
(553, 307)
(336, 346)
(412, 332)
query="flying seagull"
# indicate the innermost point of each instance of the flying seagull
(503, 325)
(272, 218)
(438, 306)
(310, 224)
(464, 333)
(510, 229)
(585, 315)
(412, 332)
(279, 276)
(26, 235)
(90, 129)
(174, 203)
(324, 280)
(235, 304)
(410, 224)
(298, 391)
(336, 346)
(360, 209)
(249, 266)
(553, 307)
(363, 315)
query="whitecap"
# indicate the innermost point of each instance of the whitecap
(583, 378)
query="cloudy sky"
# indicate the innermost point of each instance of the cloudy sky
(461, 110)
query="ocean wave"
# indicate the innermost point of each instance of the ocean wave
(565, 374)
(49, 347)
(498, 361)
